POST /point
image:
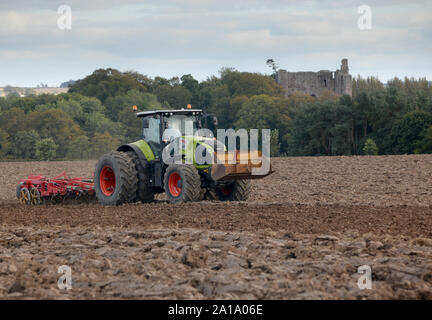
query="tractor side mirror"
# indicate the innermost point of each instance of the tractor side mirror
(211, 121)
(145, 123)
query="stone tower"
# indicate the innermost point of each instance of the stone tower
(313, 83)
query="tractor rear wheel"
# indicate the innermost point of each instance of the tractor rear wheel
(116, 179)
(239, 190)
(182, 183)
(144, 191)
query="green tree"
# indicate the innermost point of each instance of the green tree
(274, 143)
(105, 83)
(219, 95)
(46, 149)
(4, 143)
(249, 84)
(425, 144)
(55, 124)
(369, 86)
(407, 132)
(143, 100)
(80, 148)
(370, 148)
(267, 112)
(24, 144)
(132, 125)
(13, 120)
(173, 97)
(102, 143)
(274, 66)
(194, 87)
(322, 128)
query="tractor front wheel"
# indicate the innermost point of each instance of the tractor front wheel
(116, 179)
(239, 190)
(182, 183)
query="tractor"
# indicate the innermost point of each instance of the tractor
(136, 172)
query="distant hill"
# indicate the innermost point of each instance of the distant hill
(23, 92)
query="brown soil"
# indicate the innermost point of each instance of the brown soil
(303, 234)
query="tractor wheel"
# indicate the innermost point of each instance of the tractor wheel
(35, 197)
(18, 190)
(116, 179)
(202, 195)
(239, 190)
(182, 183)
(24, 197)
(208, 194)
(144, 191)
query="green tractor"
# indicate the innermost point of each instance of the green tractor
(139, 170)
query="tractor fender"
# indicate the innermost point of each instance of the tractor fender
(132, 147)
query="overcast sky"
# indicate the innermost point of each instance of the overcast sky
(172, 38)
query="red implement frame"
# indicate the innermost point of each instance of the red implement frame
(59, 187)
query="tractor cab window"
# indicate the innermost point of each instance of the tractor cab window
(182, 124)
(151, 133)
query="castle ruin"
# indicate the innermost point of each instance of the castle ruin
(313, 83)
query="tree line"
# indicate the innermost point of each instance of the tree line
(96, 115)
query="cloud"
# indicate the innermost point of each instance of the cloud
(168, 36)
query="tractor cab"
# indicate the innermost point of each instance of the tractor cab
(163, 126)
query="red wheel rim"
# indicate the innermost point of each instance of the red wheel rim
(226, 191)
(174, 184)
(107, 181)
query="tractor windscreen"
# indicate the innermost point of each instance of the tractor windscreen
(186, 125)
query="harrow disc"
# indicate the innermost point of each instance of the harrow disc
(56, 199)
(18, 190)
(35, 197)
(25, 197)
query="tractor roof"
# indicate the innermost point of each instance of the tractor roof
(169, 112)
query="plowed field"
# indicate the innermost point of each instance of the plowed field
(302, 235)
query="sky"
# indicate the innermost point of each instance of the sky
(199, 37)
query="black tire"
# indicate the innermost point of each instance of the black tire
(210, 195)
(239, 190)
(18, 190)
(125, 182)
(144, 192)
(203, 193)
(190, 189)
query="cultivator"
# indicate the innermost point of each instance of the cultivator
(37, 189)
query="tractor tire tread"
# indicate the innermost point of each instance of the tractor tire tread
(242, 190)
(144, 193)
(191, 185)
(128, 176)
